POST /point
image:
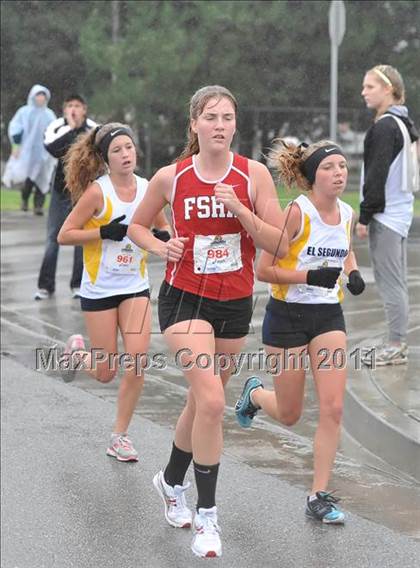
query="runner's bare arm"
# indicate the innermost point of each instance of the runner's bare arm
(350, 263)
(158, 194)
(161, 222)
(267, 271)
(267, 226)
(72, 231)
(267, 203)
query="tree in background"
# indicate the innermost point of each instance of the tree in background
(141, 61)
(40, 44)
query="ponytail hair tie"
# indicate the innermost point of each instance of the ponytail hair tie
(96, 130)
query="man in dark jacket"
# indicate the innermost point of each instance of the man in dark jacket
(59, 136)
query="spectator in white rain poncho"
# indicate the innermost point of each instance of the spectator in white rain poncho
(30, 164)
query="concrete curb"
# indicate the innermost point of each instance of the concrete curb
(391, 438)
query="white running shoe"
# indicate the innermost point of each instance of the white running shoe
(121, 447)
(176, 511)
(68, 370)
(206, 542)
(387, 355)
(42, 294)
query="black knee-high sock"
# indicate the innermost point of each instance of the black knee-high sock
(177, 466)
(206, 480)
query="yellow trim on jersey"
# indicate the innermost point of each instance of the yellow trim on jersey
(92, 252)
(279, 291)
(143, 263)
(340, 293)
(348, 229)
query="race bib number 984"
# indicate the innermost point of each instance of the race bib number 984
(215, 254)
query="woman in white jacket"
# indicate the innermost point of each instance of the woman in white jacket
(30, 163)
(389, 179)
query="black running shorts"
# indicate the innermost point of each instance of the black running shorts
(293, 325)
(230, 319)
(110, 302)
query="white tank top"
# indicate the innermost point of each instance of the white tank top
(401, 182)
(111, 267)
(316, 245)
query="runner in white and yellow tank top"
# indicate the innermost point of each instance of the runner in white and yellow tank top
(317, 245)
(115, 288)
(304, 316)
(114, 267)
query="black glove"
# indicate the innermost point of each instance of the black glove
(115, 230)
(323, 277)
(161, 235)
(356, 284)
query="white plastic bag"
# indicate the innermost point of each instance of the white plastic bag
(13, 173)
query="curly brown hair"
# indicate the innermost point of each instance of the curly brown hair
(197, 104)
(288, 159)
(83, 162)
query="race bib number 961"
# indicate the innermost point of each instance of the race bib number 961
(122, 258)
(317, 290)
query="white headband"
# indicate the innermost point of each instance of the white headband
(382, 76)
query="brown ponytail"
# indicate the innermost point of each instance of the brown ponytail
(83, 162)
(192, 147)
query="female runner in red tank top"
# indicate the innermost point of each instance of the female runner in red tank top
(223, 205)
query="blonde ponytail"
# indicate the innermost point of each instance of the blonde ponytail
(288, 159)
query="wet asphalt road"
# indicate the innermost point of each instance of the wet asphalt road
(369, 487)
(66, 504)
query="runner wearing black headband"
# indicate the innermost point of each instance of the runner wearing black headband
(304, 315)
(115, 288)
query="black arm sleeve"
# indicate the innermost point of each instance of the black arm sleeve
(383, 143)
(60, 145)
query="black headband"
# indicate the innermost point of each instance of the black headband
(310, 166)
(103, 145)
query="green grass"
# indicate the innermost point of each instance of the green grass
(350, 197)
(10, 200)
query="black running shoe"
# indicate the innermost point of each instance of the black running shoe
(323, 509)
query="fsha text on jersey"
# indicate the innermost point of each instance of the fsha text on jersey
(206, 207)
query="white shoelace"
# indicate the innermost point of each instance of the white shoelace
(208, 524)
(179, 493)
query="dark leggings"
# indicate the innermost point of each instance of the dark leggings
(39, 197)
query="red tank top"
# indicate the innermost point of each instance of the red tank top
(218, 260)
